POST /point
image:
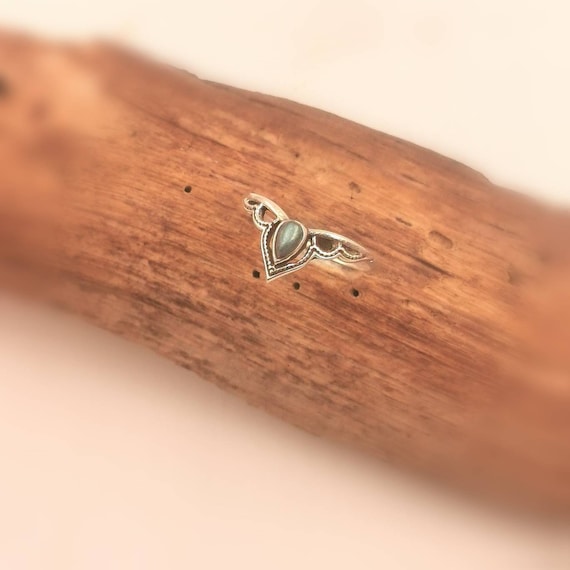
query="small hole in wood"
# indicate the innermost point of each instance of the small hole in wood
(255, 274)
(405, 222)
(188, 189)
(296, 285)
(354, 187)
(355, 293)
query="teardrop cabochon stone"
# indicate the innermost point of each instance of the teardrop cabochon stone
(289, 237)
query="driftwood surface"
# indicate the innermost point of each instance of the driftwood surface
(121, 188)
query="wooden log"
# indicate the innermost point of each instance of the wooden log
(121, 189)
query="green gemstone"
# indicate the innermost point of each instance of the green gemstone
(288, 239)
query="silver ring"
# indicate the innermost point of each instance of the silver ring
(287, 245)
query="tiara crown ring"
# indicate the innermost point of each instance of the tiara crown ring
(287, 245)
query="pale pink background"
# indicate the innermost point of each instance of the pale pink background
(113, 458)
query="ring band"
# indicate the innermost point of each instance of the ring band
(287, 245)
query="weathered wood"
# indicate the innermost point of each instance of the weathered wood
(121, 198)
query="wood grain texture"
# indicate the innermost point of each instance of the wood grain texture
(121, 197)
